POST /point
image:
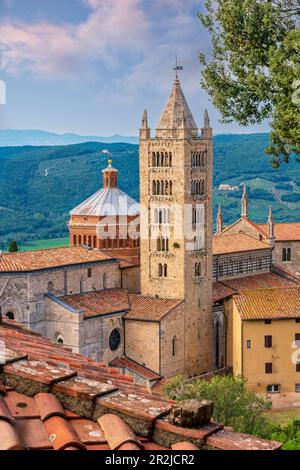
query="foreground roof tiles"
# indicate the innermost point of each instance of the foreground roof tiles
(236, 243)
(25, 261)
(276, 303)
(58, 400)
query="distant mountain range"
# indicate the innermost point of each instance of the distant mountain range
(15, 137)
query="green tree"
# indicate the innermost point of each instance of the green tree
(13, 247)
(234, 405)
(254, 71)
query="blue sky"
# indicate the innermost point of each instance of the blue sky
(93, 66)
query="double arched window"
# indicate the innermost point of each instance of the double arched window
(286, 254)
(162, 270)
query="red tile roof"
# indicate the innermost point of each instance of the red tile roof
(221, 291)
(25, 261)
(51, 398)
(99, 303)
(150, 308)
(236, 243)
(258, 281)
(228, 287)
(287, 231)
(276, 303)
(126, 363)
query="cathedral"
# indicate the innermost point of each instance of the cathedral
(149, 289)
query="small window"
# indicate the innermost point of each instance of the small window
(297, 388)
(10, 316)
(248, 344)
(268, 367)
(288, 254)
(297, 320)
(174, 341)
(284, 257)
(114, 340)
(268, 322)
(273, 388)
(89, 272)
(298, 367)
(297, 337)
(165, 270)
(268, 341)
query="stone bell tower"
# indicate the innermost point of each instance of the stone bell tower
(176, 221)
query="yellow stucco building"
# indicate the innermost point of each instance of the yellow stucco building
(264, 338)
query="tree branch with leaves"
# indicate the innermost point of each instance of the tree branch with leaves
(253, 73)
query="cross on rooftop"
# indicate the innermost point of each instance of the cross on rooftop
(177, 67)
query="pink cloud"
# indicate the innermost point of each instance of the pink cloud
(47, 49)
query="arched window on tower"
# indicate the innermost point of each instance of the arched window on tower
(74, 240)
(170, 159)
(160, 221)
(171, 188)
(167, 188)
(165, 270)
(160, 270)
(79, 240)
(288, 255)
(94, 241)
(154, 187)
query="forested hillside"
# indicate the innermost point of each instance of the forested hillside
(39, 185)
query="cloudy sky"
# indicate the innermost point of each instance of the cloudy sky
(93, 66)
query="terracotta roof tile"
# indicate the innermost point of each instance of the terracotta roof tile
(34, 435)
(226, 440)
(48, 405)
(126, 363)
(236, 243)
(184, 446)
(20, 406)
(118, 433)
(276, 303)
(287, 231)
(9, 437)
(221, 291)
(257, 281)
(150, 308)
(127, 412)
(98, 303)
(88, 431)
(24, 261)
(61, 434)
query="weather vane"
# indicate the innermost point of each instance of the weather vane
(177, 67)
